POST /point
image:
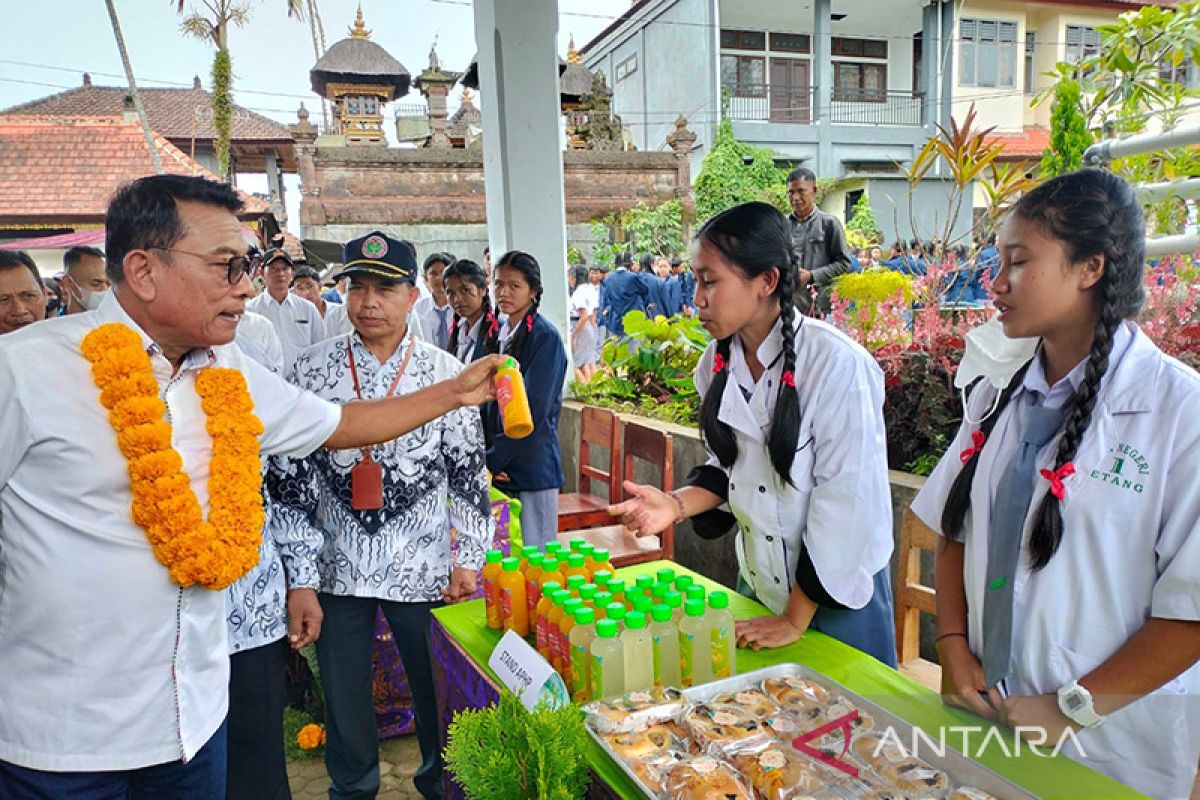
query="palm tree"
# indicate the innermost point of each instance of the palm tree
(133, 90)
(213, 25)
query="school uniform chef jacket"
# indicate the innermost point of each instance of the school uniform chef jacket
(1130, 550)
(837, 518)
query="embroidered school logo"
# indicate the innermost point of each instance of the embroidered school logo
(1126, 469)
(374, 247)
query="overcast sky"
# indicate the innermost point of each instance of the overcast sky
(46, 46)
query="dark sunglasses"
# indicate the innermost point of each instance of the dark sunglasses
(236, 266)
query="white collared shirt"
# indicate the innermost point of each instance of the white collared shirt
(256, 336)
(432, 317)
(107, 664)
(296, 320)
(467, 337)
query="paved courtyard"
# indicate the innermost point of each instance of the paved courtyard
(399, 759)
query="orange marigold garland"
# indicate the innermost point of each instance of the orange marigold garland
(214, 552)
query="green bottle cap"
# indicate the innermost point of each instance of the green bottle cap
(576, 582)
(535, 559)
(587, 591)
(695, 593)
(494, 556)
(659, 591)
(553, 547)
(510, 363)
(682, 582)
(528, 550)
(602, 577)
(617, 586)
(584, 616)
(606, 629)
(559, 597)
(510, 564)
(600, 555)
(694, 608)
(673, 599)
(572, 605)
(645, 582)
(587, 549)
(635, 620)
(615, 611)
(575, 560)
(660, 614)
(665, 575)
(718, 600)
(549, 563)
(550, 587)
(643, 604)
(577, 543)
(602, 599)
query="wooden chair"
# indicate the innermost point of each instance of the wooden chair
(912, 599)
(655, 448)
(601, 428)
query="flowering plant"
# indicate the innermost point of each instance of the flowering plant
(311, 736)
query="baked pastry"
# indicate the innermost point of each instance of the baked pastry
(777, 773)
(706, 778)
(752, 700)
(796, 694)
(914, 775)
(641, 745)
(653, 772)
(969, 793)
(878, 751)
(721, 724)
(839, 707)
(615, 714)
(683, 737)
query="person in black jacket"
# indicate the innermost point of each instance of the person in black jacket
(819, 243)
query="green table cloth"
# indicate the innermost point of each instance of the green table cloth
(1041, 774)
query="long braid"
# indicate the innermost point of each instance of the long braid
(958, 501)
(717, 435)
(455, 324)
(785, 422)
(1048, 526)
(516, 345)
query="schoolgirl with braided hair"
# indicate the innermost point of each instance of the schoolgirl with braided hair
(792, 419)
(529, 468)
(467, 290)
(1069, 564)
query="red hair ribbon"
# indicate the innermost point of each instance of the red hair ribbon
(1056, 478)
(977, 440)
(529, 322)
(493, 325)
(788, 378)
(718, 364)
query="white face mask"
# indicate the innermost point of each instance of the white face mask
(990, 354)
(88, 299)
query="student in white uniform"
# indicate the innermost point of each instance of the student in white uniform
(434, 310)
(793, 419)
(1068, 575)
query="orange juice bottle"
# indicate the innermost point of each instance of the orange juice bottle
(616, 588)
(491, 589)
(532, 573)
(564, 636)
(575, 583)
(553, 549)
(550, 572)
(577, 565)
(514, 613)
(601, 578)
(600, 603)
(586, 550)
(587, 593)
(513, 401)
(553, 616)
(577, 543)
(539, 620)
(600, 562)
(526, 552)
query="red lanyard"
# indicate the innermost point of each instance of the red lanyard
(395, 381)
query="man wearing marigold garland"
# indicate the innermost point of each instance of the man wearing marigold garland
(386, 514)
(113, 642)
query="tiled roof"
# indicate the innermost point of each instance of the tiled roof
(175, 113)
(66, 168)
(1027, 145)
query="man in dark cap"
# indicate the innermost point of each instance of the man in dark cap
(296, 320)
(385, 514)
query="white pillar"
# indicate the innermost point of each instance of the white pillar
(522, 157)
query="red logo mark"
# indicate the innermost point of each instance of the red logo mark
(843, 724)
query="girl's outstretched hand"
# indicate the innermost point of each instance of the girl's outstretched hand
(648, 512)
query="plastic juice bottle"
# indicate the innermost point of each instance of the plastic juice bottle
(643, 604)
(601, 578)
(513, 401)
(491, 588)
(575, 583)
(576, 543)
(553, 616)
(695, 646)
(552, 549)
(682, 583)
(639, 662)
(582, 636)
(577, 565)
(600, 602)
(601, 562)
(514, 613)
(695, 593)
(724, 642)
(586, 550)
(543, 608)
(587, 593)
(644, 583)
(564, 636)
(533, 592)
(616, 612)
(659, 592)
(617, 588)
(665, 575)
(550, 574)
(674, 601)
(664, 641)
(608, 662)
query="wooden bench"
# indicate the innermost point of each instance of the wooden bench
(912, 599)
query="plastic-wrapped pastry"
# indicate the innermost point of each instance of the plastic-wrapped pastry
(969, 793)
(653, 771)
(752, 700)
(635, 709)
(839, 707)
(914, 775)
(878, 751)
(721, 724)
(778, 774)
(796, 694)
(645, 744)
(706, 778)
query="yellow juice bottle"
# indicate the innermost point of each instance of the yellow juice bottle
(601, 562)
(724, 642)
(558, 599)
(532, 592)
(608, 662)
(543, 608)
(491, 588)
(577, 565)
(514, 613)
(582, 636)
(564, 636)
(515, 415)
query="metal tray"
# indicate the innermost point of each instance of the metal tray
(962, 770)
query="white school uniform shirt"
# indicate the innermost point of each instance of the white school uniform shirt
(256, 336)
(297, 322)
(431, 317)
(337, 320)
(467, 337)
(1130, 550)
(840, 507)
(107, 664)
(585, 297)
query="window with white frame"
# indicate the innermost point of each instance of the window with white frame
(1083, 42)
(987, 53)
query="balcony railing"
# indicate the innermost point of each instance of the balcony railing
(798, 105)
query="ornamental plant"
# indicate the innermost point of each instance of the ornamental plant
(311, 736)
(507, 752)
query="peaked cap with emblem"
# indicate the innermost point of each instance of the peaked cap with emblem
(380, 255)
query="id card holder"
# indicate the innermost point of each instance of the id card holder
(366, 485)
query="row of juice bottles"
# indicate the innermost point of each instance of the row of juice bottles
(606, 637)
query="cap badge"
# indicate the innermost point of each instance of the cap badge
(374, 247)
